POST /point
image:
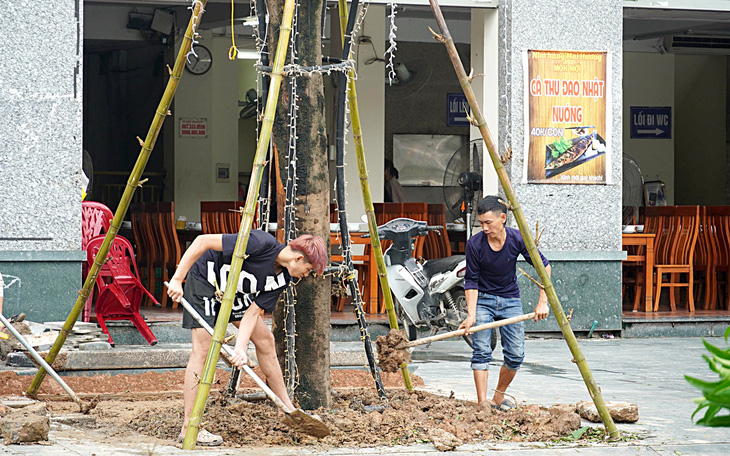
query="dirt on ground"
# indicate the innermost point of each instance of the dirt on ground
(151, 404)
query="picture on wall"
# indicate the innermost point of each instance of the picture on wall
(566, 107)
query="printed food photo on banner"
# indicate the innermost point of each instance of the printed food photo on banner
(566, 105)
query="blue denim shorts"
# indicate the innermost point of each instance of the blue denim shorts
(493, 308)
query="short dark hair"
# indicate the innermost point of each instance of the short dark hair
(391, 168)
(491, 203)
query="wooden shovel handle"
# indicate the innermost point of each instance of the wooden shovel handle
(460, 332)
(229, 352)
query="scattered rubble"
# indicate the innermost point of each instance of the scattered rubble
(621, 412)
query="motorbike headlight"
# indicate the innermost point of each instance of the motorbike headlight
(461, 273)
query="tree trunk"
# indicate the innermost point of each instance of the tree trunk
(312, 204)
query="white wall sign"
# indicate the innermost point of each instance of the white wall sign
(193, 128)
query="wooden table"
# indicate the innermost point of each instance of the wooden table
(647, 260)
(370, 288)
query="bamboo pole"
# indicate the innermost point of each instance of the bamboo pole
(369, 209)
(563, 323)
(249, 212)
(347, 23)
(132, 184)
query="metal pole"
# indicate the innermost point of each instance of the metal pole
(41, 361)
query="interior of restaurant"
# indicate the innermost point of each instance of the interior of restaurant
(125, 74)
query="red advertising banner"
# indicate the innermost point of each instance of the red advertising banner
(566, 106)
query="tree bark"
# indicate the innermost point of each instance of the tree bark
(311, 205)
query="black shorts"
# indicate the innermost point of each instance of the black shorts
(201, 295)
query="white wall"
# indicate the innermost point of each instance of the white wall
(213, 96)
(649, 81)
(700, 91)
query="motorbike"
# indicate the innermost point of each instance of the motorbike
(428, 295)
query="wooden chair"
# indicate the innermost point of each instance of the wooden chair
(718, 219)
(96, 219)
(678, 229)
(222, 216)
(437, 243)
(704, 262)
(163, 215)
(120, 291)
(146, 251)
(633, 267)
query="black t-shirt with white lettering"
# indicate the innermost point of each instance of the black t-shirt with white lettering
(258, 282)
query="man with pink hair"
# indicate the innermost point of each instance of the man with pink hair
(267, 269)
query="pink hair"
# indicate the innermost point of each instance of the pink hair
(313, 248)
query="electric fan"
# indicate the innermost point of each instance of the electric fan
(633, 190)
(463, 182)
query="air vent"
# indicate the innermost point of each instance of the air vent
(697, 44)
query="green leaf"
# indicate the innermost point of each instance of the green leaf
(717, 351)
(718, 421)
(727, 333)
(705, 387)
(578, 433)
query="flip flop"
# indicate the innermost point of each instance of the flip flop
(205, 438)
(506, 405)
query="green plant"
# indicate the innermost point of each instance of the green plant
(716, 395)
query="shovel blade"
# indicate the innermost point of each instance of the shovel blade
(306, 424)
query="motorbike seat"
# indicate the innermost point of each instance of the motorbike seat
(437, 265)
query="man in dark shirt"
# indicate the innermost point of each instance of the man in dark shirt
(492, 294)
(267, 268)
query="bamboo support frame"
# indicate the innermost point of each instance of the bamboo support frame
(563, 322)
(347, 23)
(132, 184)
(249, 213)
(368, 200)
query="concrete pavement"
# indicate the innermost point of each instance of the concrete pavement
(648, 372)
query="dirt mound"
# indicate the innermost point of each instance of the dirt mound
(389, 357)
(149, 405)
(359, 418)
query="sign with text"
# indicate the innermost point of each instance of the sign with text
(566, 106)
(651, 122)
(457, 108)
(193, 128)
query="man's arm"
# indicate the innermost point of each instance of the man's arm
(197, 248)
(471, 307)
(542, 309)
(245, 329)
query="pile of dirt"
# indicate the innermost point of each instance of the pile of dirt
(389, 357)
(359, 418)
(150, 404)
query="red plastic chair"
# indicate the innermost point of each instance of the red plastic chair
(120, 291)
(96, 219)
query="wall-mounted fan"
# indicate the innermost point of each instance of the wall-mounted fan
(633, 190)
(463, 182)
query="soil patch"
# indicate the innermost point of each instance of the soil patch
(150, 404)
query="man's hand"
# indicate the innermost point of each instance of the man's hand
(239, 357)
(467, 324)
(175, 290)
(541, 309)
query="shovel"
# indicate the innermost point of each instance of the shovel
(300, 420)
(460, 332)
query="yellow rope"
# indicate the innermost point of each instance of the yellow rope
(233, 51)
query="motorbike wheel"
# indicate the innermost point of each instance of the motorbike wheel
(460, 301)
(408, 328)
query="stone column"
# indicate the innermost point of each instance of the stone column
(582, 222)
(40, 161)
